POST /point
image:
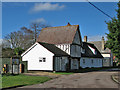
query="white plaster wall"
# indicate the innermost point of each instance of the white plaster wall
(64, 47)
(106, 55)
(33, 58)
(74, 64)
(97, 62)
(60, 63)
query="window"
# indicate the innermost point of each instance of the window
(92, 61)
(83, 61)
(42, 59)
(105, 60)
(93, 50)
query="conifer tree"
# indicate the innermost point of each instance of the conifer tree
(113, 36)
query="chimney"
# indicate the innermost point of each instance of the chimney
(85, 38)
(68, 24)
(103, 43)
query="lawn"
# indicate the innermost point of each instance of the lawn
(22, 80)
(64, 73)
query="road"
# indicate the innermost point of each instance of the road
(97, 79)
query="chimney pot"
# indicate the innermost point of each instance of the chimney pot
(68, 24)
(103, 43)
(85, 38)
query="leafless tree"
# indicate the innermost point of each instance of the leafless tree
(25, 37)
(22, 38)
(36, 27)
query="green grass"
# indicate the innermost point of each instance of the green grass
(64, 73)
(22, 80)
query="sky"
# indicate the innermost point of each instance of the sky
(91, 21)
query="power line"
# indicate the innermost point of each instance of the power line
(99, 9)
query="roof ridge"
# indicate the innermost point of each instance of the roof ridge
(60, 26)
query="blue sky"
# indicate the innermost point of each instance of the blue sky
(91, 21)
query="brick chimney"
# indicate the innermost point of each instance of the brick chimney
(103, 43)
(85, 38)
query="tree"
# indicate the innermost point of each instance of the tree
(18, 51)
(22, 38)
(113, 36)
(36, 27)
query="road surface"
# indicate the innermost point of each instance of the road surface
(97, 79)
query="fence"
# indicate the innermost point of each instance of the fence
(7, 66)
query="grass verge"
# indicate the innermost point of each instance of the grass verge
(21, 80)
(64, 73)
(115, 78)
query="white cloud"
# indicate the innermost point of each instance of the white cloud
(38, 7)
(39, 20)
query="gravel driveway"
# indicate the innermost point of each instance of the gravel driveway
(98, 79)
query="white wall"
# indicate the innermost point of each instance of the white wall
(74, 64)
(33, 58)
(97, 62)
(60, 63)
(64, 47)
(106, 55)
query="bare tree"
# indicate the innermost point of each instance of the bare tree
(25, 37)
(22, 38)
(36, 27)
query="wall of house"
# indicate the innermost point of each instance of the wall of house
(75, 48)
(64, 47)
(108, 60)
(34, 57)
(111, 59)
(90, 62)
(77, 38)
(61, 63)
(106, 55)
(74, 64)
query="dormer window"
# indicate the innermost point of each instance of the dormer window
(93, 50)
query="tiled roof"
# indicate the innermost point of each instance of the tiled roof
(52, 48)
(98, 44)
(89, 53)
(58, 35)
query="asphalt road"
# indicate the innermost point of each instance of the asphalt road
(98, 79)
